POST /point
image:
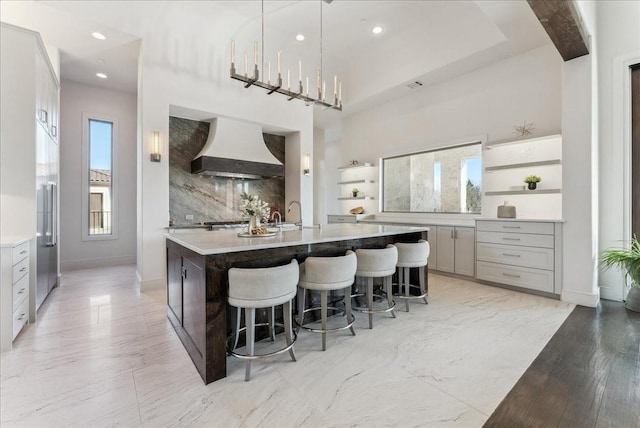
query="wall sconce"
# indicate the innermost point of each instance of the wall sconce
(306, 162)
(155, 150)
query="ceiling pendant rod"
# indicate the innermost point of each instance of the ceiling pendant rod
(262, 46)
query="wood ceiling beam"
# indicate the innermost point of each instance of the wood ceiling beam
(562, 21)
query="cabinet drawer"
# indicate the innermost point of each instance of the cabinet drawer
(20, 317)
(535, 279)
(537, 258)
(528, 240)
(341, 219)
(20, 252)
(20, 270)
(515, 226)
(20, 290)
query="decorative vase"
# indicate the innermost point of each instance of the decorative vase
(254, 223)
(532, 186)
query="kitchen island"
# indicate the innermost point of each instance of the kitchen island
(197, 275)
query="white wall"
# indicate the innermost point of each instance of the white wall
(486, 103)
(618, 46)
(76, 99)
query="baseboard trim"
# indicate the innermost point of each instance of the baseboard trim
(69, 265)
(151, 284)
(581, 298)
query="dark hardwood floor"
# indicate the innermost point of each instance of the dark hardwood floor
(588, 375)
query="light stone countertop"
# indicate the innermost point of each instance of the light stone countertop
(536, 220)
(12, 241)
(220, 242)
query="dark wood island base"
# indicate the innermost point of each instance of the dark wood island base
(197, 290)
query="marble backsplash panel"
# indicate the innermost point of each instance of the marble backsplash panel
(212, 198)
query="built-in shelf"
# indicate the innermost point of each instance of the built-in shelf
(523, 165)
(524, 192)
(349, 198)
(361, 165)
(356, 182)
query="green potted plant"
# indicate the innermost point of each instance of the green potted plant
(355, 191)
(532, 180)
(627, 260)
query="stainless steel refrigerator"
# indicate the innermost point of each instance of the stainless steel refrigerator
(47, 206)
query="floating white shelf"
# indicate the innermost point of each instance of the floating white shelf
(523, 165)
(349, 198)
(362, 165)
(356, 182)
(524, 192)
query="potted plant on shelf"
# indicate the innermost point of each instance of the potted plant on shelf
(532, 180)
(355, 191)
(628, 260)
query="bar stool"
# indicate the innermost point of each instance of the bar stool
(250, 289)
(412, 255)
(377, 263)
(325, 274)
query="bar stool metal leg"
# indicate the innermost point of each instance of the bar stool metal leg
(323, 312)
(287, 327)
(407, 287)
(370, 300)
(236, 332)
(270, 318)
(388, 287)
(423, 289)
(347, 308)
(301, 294)
(250, 321)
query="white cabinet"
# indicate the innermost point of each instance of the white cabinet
(455, 250)
(14, 291)
(523, 254)
(47, 96)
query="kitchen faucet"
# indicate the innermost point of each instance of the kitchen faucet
(273, 214)
(300, 206)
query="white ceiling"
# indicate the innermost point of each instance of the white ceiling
(430, 41)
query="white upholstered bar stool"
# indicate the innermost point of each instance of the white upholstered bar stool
(377, 263)
(326, 274)
(412, 255)
(252, 288)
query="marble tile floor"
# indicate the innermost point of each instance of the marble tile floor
(104, 354)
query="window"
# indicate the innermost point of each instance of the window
(99, 178)
(446, 180)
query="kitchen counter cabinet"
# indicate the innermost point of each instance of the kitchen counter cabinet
(197, 276)
(455, 250)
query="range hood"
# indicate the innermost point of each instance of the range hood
(236, 149)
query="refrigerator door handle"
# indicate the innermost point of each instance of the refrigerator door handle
(54, 214)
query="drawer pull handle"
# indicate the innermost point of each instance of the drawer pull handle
(511, 227)
(511, 275)
(21, 291)
(511, 255)
(23, 252)
(511, 239)
(21, 317)
(23, 269)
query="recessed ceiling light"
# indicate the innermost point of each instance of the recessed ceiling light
(100, 60)
(101, 75)
(98, 36)
(300, 37)
(376, 30)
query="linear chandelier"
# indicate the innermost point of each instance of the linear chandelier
(299, 90)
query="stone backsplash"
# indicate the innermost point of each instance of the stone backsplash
(212, 198)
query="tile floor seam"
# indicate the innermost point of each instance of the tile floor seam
(135, 388)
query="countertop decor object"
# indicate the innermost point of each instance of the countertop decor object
(532, 181)
(506, 210)
(355, 191)
(257, 210)
(356, 210)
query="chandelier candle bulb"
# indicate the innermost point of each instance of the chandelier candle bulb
(340, 94)
(335, 86)
(289, 79)
(279, 62)
(233, 52)
(324, 90)
(300, 71)
(307, 86)
(246, 60)
(269, 73)
(255, 53)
